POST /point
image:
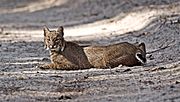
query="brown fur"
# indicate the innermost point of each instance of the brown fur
(69, 55)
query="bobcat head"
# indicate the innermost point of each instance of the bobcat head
(53, 39)
(141, 53)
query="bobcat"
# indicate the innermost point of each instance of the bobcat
(70, 56)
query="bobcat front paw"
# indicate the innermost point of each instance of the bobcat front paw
(45, 66)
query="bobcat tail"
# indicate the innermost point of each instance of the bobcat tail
(140, 58)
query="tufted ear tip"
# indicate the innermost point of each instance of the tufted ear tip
(60, 29)
(45, 29)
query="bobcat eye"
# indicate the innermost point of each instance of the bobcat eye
(48, 39)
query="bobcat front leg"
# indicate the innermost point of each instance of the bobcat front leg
(48, 66)
(59, 66)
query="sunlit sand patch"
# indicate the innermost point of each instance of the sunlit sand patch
(36, 6)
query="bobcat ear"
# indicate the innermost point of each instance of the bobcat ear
(46, 30)
(60, 30)
(142, 47)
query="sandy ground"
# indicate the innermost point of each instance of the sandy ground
(91, 22)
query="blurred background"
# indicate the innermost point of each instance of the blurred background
(86, 16)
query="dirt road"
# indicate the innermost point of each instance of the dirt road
(100, 22)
